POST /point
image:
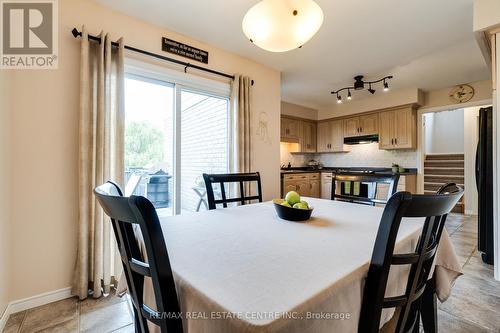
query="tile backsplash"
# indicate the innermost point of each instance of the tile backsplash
(364, 155)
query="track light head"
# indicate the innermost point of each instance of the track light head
(349, 94)
(372, 91)
(339, 99)
(386, 86)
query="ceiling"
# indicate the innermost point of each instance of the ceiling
(425, 44)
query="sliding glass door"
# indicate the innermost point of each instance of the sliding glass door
(174, 133)
(204, 143)
(149, 144)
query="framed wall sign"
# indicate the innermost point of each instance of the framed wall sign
(184, 50)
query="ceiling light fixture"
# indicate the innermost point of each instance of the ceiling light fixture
(282, 25)
(359, 84)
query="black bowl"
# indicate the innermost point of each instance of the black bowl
(292, 214)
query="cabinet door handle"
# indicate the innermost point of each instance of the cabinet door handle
(396, 140)
(392, 141)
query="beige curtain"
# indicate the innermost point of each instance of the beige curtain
(101, 158)
(241, 96)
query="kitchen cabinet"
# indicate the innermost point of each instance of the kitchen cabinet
(368, 124)
(290, 128)
(330, 136)
(308, 137)
(362, 125)
(326, 185)
(398, 129)
(351, 127)
(306, 184)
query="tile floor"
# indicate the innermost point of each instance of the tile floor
(474, 305)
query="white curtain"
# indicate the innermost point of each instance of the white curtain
(101, 158)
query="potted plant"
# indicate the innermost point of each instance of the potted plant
(395, 168)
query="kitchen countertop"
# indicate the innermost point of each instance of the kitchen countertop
(378, 171)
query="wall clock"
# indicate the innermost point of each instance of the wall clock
(462, 93)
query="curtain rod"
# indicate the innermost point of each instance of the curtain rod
(186, 65)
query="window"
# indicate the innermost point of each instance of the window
(176, 129)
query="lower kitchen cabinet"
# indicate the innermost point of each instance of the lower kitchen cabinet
(319, 185)
(406, 183)
(306, 184)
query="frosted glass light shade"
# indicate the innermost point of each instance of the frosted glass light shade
(282, 25)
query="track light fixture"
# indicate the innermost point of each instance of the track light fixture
(359, 84)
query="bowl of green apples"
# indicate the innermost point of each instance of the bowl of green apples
(292, 208)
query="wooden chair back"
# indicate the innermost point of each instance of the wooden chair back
(126, 213)
(374, 180)
(434, 209)
(244, 180)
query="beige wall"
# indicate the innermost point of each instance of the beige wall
(486, 14)
(4, 195)
(300, 111)
(45, 143)
(380, 100)
(440, 98)
(430, 99)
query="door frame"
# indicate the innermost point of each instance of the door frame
(421, 138)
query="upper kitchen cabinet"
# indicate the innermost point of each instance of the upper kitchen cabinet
(368, 124)
(398, 129)
(330, 136)
(362, 125)
(290, 129)
(351, 127)
(308, 137)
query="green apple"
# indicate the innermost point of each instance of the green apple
(301, 205)
(286, 204)
(292, 198)
(304, 203)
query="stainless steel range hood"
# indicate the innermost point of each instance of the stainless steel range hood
(357, 140)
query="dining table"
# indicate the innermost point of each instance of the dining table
(244, 269)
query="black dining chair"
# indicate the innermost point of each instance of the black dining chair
(359, 188)
(244, 180)
(434, 209)
(429, 298)
(125, 214)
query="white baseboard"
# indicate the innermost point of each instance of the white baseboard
(33, 302)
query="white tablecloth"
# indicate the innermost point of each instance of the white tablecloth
(244, 269)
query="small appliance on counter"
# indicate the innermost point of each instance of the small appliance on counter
(315, 165)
